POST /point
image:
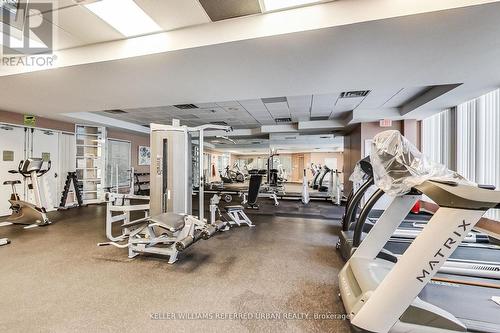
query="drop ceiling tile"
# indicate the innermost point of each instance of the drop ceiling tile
(277, 106)
(206, 105)
(174, 14)
(64, 40)
(347, 104)
(228, 104)
(404, 96)
(250, 101)
(324, 101)
(299, 101)
(378, 97)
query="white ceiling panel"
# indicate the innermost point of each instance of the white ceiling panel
(251, 104)
(174, 14)
(228, 104)
(347, 104)
(322, 105)
(404, 96)
(64, 40)
(84, 25)
(378, 97)
(324, 101)
(272, 107)
(299, 102)
(206, 105)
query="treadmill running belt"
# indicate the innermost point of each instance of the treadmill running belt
(470, 304)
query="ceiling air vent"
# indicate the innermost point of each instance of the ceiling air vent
(222, 123)
(274, 100)
(283, 120)
(186, 106)
(256, 142)
(290, 137)
(354, 94)
(115, 111)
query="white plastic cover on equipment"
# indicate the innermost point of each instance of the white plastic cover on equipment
(357, 176)
(398, 165)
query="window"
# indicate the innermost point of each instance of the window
(118, 163)
(437, 134)
(478, 139)
(467, 139)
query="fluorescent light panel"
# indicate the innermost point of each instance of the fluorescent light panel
(270, 5)
(125, 16)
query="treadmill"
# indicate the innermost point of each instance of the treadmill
(408, 294)
(380, 294)
(410, 227)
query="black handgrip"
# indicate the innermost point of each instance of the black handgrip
(19, 167)
(43, 172)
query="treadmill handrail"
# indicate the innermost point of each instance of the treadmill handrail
(350, 213)
(358, 229)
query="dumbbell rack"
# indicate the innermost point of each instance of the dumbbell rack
(142, 185)
(71, 178)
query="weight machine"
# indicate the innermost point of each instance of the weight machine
(171, 227)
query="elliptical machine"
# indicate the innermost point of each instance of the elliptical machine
(23, 211)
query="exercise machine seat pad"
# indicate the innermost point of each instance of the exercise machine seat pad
(233, 208)
(11, 182)
(171, 221)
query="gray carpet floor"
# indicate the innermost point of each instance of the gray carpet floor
(263, 279)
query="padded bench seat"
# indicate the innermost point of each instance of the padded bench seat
(170, 221)
(11, 182)
(233, 208)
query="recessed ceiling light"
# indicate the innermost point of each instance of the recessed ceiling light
(270, 5)
(125, 16)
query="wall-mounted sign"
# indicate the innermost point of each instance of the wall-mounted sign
(8, 156)
(29, 120)
(385, 123)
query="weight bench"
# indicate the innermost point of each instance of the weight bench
(238, 216)
(167, 234)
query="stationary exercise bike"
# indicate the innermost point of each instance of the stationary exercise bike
(24, 211)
